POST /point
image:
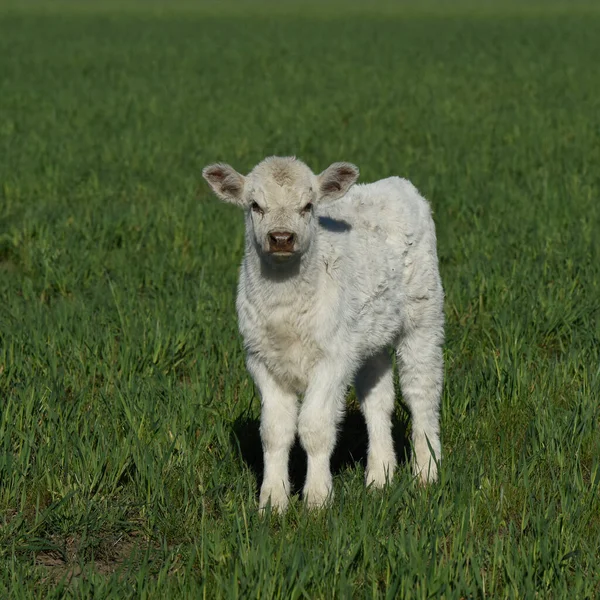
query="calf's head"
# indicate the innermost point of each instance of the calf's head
(279, 196)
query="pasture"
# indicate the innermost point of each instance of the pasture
(129, 448)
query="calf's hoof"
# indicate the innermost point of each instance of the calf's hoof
(275, 496)
(317, 496)
(426, 473)
(379, 473)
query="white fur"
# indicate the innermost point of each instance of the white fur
(364, 279)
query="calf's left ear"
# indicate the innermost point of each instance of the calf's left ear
(225, 182)
(337, 179)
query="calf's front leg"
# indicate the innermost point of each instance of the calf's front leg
(320, 413)
(278, 422)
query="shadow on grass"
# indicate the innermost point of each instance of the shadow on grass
(351, 447)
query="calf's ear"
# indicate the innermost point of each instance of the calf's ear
(225, 182)
(336, 180)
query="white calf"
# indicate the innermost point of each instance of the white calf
(326, 288)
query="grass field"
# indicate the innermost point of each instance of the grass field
(129, 449)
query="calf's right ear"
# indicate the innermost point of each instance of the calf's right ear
(225, 182)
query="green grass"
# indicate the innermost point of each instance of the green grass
(129, 452)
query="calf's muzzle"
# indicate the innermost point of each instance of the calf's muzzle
(281, 241)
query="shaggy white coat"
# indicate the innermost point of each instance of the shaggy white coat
(363, 279)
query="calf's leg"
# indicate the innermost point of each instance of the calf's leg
(320, 413)
(375, 390)
(278, 424)
(421, 377)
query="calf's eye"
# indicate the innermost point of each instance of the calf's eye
(257, 209)
(307, 208)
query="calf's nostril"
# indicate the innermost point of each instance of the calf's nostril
(282, 241)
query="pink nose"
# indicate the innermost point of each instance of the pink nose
(281, 241)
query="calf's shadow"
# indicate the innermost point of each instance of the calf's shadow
(351, 447)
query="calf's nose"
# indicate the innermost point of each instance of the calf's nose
(281, 241)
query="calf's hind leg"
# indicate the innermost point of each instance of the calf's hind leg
(421, 377)
(374, 385)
